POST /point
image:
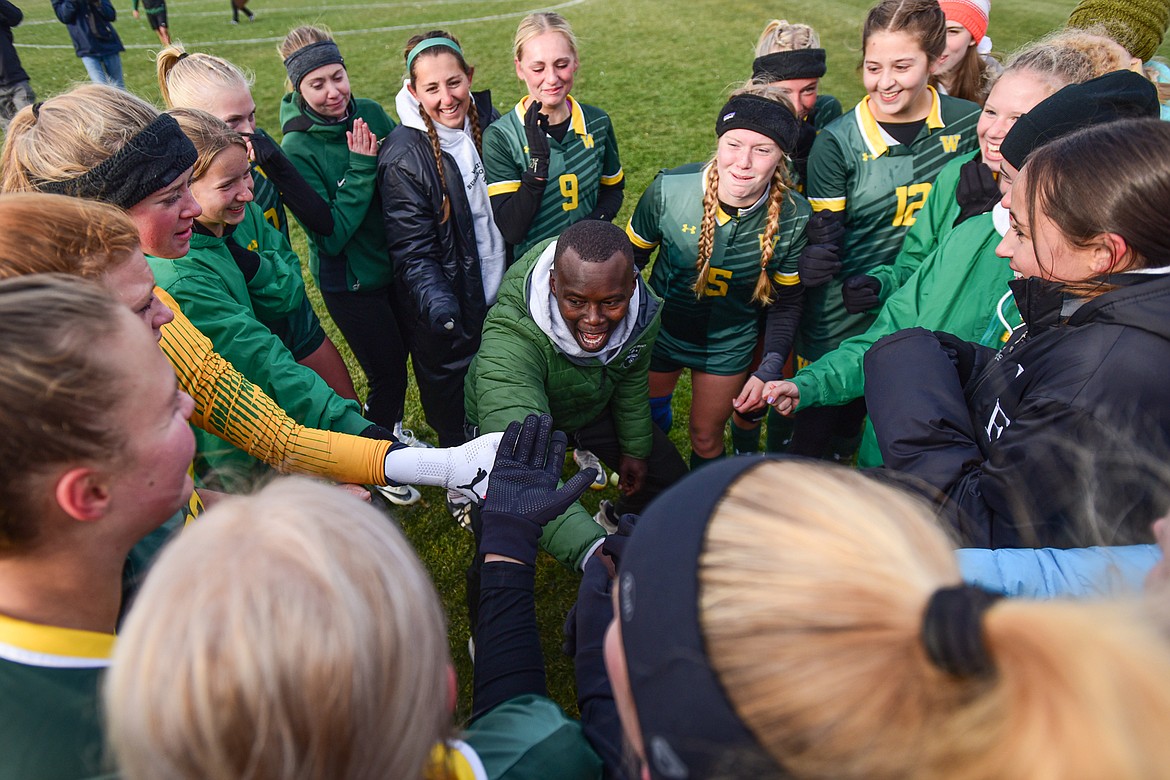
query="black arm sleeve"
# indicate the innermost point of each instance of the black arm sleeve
(514, 211)
(310, 209)
(642, 257)
(599, 717)
(609, 201)
(780, 323)
(508, 658)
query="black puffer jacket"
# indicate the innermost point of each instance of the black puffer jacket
(436, 263)
(1060, 439)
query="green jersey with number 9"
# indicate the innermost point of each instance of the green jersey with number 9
(578, 165)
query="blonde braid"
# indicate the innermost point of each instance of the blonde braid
(764, 293)
(434, 136)
(707, 229)
(476, 131)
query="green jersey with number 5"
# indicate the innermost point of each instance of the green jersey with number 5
(857, 168)
(578, 166)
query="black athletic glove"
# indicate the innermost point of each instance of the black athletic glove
(536, 129)
(246, 259)
(818, 264)
(961, 353)
(826, 227)
(978, 191)
(523, 495)
(860, 293)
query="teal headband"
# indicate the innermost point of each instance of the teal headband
(422, 46)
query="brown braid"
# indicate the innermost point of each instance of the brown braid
(764, 294)
(707, 229)
(434, 136)
(476, 132)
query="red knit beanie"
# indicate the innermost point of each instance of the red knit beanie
(972, 14)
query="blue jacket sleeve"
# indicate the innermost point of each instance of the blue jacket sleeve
(1048, 573)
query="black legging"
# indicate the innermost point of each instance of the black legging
(368, 322)
(241, 7)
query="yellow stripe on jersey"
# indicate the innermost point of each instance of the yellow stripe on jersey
(867, 124)
(611, 180)
(636, 239)
(934, 119)
(827, 204)
(502, 188)
(231, 407)
(787, 280)
(55, 641)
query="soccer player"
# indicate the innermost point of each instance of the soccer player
(869, 173)
(156, 14)
(729, 234)
(551, 161)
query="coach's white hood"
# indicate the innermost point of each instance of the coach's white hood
(542, 305)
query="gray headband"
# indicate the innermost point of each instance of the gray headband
(305, 60)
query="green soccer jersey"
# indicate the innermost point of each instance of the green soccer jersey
(50, 701)
(859, 169)
(717, 332)
(578, 166)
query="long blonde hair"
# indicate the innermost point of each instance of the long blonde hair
(321, 653)
(813, 584)
(780, 186)
(69, 134)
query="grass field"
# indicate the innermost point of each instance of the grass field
(661, 70)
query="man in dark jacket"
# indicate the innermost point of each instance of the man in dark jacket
(95, 40)
(571, 336)
(15, 92)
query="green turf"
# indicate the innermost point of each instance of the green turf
(660, 69)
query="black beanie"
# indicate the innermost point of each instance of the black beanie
(1118, 95)
(763, 115)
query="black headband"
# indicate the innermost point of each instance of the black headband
(764, 116)
(307, 59)
(784, 65)
(149, 161)
(952, 630)
(689, 728)
(1117, 95)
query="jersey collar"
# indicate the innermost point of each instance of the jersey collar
(875, 137)
(34, 644)
(576, 115)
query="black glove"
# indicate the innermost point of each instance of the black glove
(826, 227)
(978, 191)
(523, 495)
(536, 129)
(264, 149)
(860, 293)
(818, 264)
(246, 259)
(961, 353)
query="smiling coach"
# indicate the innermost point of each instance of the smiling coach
(571, 336)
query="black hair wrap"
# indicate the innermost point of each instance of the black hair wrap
(784, 65)
(1118, 95)
(952, 631)
(307, 59)
(689, 728)
(766, 117)
(149, 161)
